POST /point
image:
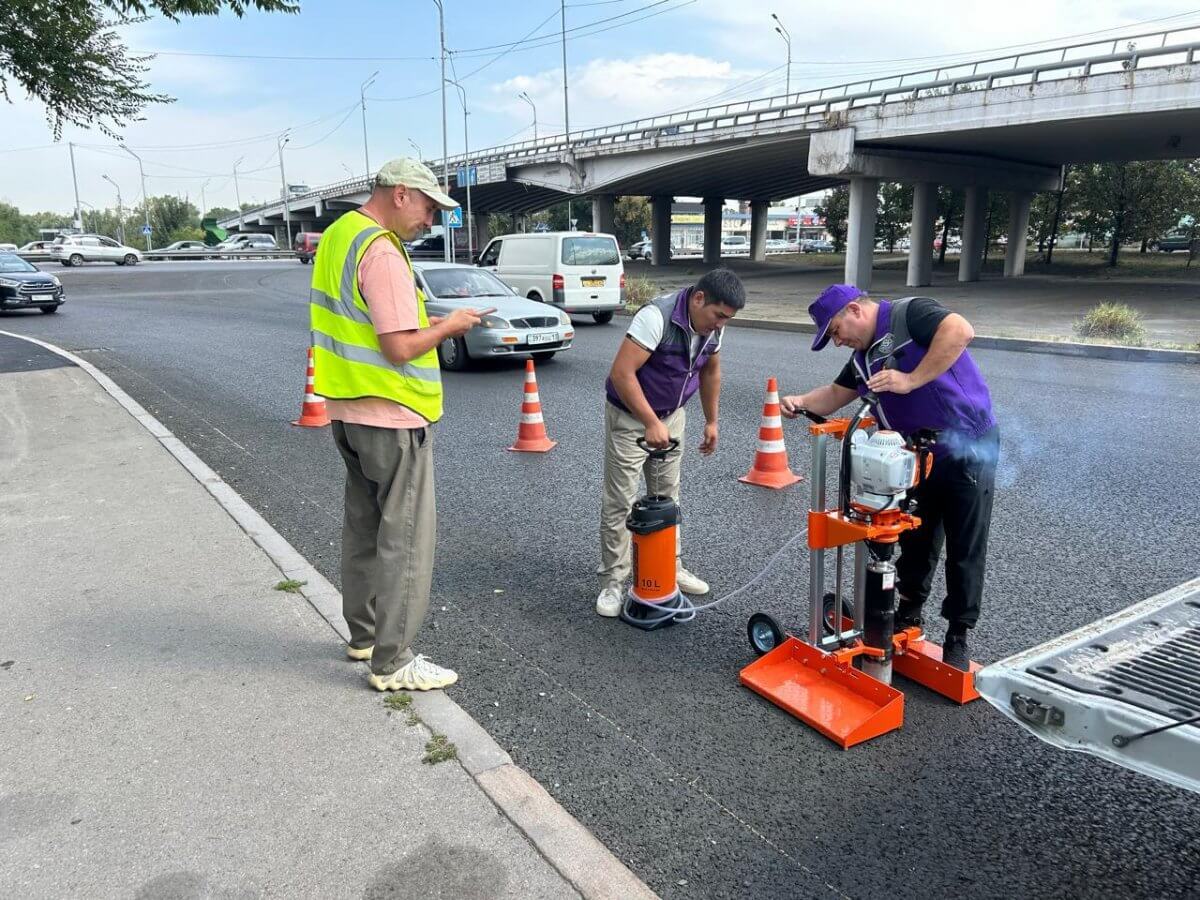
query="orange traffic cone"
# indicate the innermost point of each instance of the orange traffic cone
(531, 434)
(770, 467)
(312, 411)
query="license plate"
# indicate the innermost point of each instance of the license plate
(547, 338)
(592, 282)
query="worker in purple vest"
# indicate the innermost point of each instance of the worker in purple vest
(912, 353)
(671, 351)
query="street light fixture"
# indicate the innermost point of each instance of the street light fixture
(120, 214)
(418, 149)
(145, 198)
(462, 93)
(525, 96)
(362, 96)
(287, 206)
(787, 38)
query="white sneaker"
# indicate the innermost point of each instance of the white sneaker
(608, 604)
(689, 583)
(420, 674)
(359, 653)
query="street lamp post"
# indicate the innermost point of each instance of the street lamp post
(362, 96)
(237, 192)
(203, 200)
(75, 181)
(417, 148)
(145, 198)
(120, 214)
(447, 243)
(787, 38)
(525, 96)
(566, 105)
(462, 93)
(287, 206)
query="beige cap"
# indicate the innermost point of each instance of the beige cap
(414, 174)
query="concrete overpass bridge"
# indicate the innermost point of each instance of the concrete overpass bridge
(1002, 124)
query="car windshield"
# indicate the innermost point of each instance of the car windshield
(465, 283)
(10, 262)
(590, 251)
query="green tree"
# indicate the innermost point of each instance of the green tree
(218, 213)
(893, 213)
(69, 55)
(631, 218)
(556, 216)
(835, 210)
(950, 212)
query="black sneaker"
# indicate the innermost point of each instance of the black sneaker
(955, 651)
(908, 615)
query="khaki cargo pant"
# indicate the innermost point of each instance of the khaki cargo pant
(624, 465)
(388, 538)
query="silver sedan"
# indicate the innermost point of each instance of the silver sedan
(517, 327)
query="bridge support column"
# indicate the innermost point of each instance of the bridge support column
(713, 207)
(974, 233)
(660, 230)
(920, 248)
(604, 214)
(758, 229)
(1018, 230)
(860, 232)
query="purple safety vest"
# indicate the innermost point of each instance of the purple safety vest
(956, 403)
(670, 376)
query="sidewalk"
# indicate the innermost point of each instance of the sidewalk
(1038, 307)
(173, 726)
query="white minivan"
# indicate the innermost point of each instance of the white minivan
(579, 272)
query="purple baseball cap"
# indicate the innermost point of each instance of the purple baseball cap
(831, 302)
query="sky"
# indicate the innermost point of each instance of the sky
(625, 59)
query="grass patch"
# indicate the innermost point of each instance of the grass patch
(438, 749)
(638, 291)
(1112, 322)
(290, 586)
(402, 702)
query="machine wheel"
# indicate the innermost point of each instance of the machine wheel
(827, 612)
(75, 260)
(452, 354)
(764, 632)
(603, 318)
(48, 310)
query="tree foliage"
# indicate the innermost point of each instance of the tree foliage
(835, 210)
(631, 218)
(893, 213)
(69, 55)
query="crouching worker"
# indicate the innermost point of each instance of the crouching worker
(672, 349)
(912, 353)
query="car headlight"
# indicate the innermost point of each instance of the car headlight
(494, 322)
(57, 283)
(9, 282)
(564, 320)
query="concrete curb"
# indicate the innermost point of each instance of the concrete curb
(567, 845)
(1016, 345)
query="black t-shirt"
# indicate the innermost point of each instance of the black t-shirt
(923, 318)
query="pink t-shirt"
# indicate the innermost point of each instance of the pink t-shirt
(386, 284)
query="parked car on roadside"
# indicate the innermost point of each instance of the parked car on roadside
(76, 249)
(8, 248)
(24, 286)
(305, 245)
(578, 272)
(816, 246)
(185, 245)
(641, 250)
(40, 249)
(1176, 239)
(518, 326)
(776, 245)
(734, 245)
(248, 241)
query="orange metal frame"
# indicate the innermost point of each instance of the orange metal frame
(823, 688)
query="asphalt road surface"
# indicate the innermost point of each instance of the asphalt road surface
(703, 788)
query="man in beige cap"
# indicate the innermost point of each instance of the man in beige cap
(375, 351)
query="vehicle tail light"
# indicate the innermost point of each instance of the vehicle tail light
(622, 288)
(559, 286)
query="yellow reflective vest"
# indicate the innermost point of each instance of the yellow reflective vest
(347, 360)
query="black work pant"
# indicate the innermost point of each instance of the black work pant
(955, 508)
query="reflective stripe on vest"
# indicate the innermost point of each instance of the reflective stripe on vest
(348, 360)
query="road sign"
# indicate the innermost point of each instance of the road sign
(490, 173)
(146, 229)
(464, 176)
(452, 218)
(541, 227)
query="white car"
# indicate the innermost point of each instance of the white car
(8, 248)
(76, 249)
(577, 271)
(735, 245)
